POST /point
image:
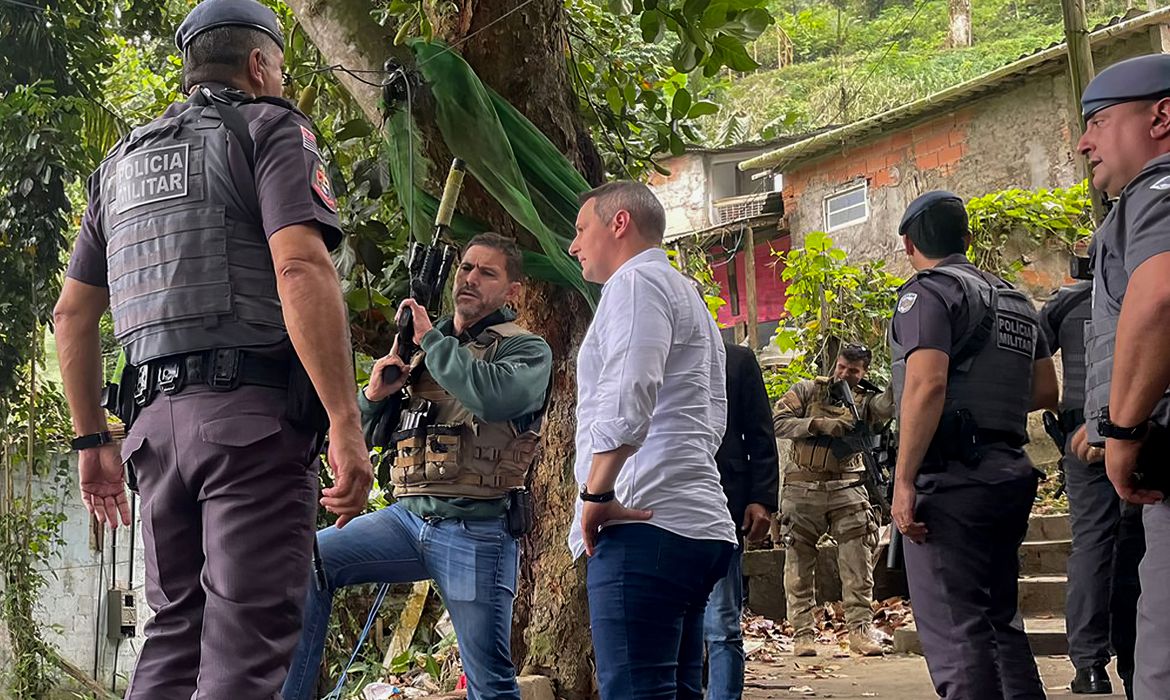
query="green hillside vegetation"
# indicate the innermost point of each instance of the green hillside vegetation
(890, 53)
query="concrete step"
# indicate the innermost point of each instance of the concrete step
(1042, 595)
(1044, 557)
(1046, 528)
(1046, 636)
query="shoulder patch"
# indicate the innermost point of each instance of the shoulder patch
(324, 188)
(309, 141)
(907, 302)
(1161, 184)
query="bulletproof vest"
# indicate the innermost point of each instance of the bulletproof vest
(189, 265)
(822, 456)
(990, 371)
(1072, 333)
(454, 453)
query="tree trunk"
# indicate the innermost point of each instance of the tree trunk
(521, 57)
(960, 25)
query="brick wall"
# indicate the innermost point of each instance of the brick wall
(1019, 136)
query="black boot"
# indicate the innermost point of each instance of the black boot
(1091, 681)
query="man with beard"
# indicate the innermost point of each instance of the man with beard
(478, 387)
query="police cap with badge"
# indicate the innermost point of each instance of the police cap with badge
(211, 14)
(1141, 78)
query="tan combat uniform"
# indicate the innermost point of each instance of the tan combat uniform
(821, 493)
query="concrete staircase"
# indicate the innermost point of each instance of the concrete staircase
(1042, 588)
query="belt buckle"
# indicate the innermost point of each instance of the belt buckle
(225, 369)
(170, 376)
(142, 388)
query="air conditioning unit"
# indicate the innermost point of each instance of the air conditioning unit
(746, 206)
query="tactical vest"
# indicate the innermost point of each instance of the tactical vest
(1072, 335)
(189, 266)
(990, 371)
(457, 454)
(823, 458)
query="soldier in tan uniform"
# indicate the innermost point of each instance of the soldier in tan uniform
(824, 492)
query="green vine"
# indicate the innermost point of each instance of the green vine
(1010, 227)
(830, 302)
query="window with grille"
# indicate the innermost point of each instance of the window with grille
(847, 208)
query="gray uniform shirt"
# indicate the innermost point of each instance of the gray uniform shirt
(1136, 229)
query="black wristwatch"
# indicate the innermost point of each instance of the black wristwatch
(86, 442)
(1107, 429)
(596, 497)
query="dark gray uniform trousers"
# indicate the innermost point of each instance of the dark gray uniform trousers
(1152, 656)
(1131, 546)
(1094, 513)
(964, 587)
(228, 492)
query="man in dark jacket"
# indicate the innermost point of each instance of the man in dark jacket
(750, 473)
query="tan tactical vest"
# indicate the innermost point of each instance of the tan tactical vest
(813, 458)
(458, 455)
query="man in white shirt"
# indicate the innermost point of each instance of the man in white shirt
(651, 410)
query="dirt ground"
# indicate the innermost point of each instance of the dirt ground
(900, 676)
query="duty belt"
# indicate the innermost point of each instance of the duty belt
(819, 481)
(220, 370)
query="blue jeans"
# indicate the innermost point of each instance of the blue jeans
(648, 589)
(473, 563)
(724, 636)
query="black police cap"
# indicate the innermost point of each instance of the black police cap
(210, 14)
(1144, 77)
(924, 202)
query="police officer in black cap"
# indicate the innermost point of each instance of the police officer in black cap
(969, 364)
(207, 235)
(1127, 142)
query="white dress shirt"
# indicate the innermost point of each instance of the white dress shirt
(650, 374)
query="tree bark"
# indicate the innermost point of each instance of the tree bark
(960, 24)
(521, 56)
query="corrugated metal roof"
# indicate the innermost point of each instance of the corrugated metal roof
(1037, 62)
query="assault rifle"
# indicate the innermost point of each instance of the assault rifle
(429, 267)
(876, 483)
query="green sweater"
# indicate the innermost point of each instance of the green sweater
(511, 387)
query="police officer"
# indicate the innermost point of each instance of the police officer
(1127, 142)
(968, 365)
(467, 435)
(207, 235)
(1095, 513)
(824, 491)
(1094, 508)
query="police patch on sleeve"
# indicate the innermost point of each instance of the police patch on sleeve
(1162, 184)
(907, 302)
(309, 141)
(324, 188)
(1015, 334)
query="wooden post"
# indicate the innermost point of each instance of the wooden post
(1081, 71)
(749, 269)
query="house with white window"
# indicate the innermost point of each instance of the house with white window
(1010, 128)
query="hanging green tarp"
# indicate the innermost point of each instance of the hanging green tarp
(517, 165)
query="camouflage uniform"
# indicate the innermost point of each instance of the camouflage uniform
(823, 491)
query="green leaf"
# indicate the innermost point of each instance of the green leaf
(355, 128)
(677, 147)
(702, 108)
(653, 28)
(631, 94)
(620, 7)
(755, 21)
(681, 104)
(693, 9)
(615, 99)
(686, 56)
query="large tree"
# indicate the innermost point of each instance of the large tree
(521, 51)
